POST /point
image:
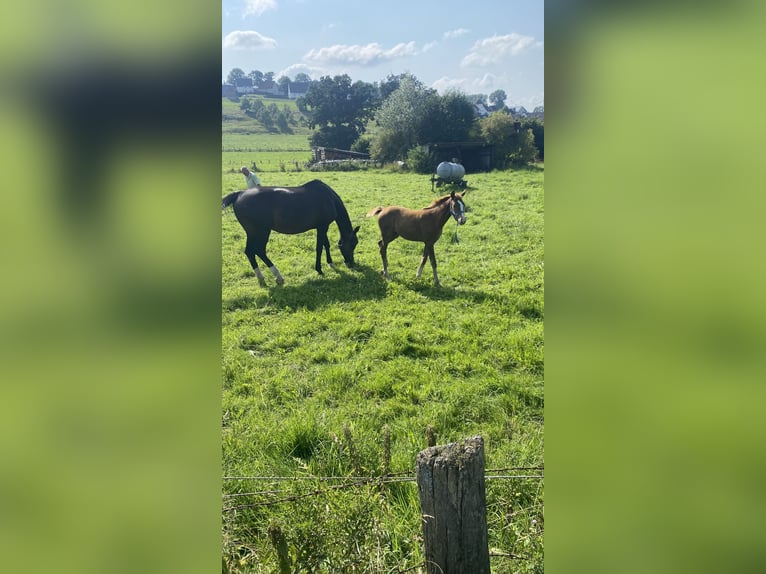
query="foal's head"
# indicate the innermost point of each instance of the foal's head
(347, 245)
(457, 207)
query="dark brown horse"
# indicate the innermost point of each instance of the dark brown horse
(314, 205)
(418, 225)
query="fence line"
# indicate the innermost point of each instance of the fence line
(387, 475)
(357, 482)
(364, 480)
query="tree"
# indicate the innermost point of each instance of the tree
(538, 129)
(523, 150)
(391, 84)
(450, 119)
(300, 77)
(256, 76)
(497, 99)
(400, 118)
(234, 75)
(478, 99)
(413, 115)
(268, 77)
(499, 130)
(339, 109)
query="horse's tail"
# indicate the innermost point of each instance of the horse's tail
(375, 211)
(230, 198)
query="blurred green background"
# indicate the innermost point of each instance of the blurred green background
(110, 290)
(655, 282)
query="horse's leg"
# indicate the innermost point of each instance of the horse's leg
(422, 261)
(250, 253)
(260, 251)
(322, 241)
(327, 251)
(383, 255)
(432, 255)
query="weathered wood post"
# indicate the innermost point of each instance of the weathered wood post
(453, 506)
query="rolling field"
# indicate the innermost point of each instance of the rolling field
(341, 375)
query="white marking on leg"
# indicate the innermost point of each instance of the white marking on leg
(259, 274)
(420, 271)
(277, 274)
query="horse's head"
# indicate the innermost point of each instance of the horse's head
(457, 207)
(347, 244)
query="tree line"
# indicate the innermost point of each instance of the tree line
(405, 115)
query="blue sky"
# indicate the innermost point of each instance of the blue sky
(476, 47)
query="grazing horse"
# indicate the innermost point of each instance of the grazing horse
(314, 205)
(418, 225)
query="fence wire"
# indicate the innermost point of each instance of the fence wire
(349, 482)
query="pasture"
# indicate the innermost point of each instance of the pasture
(343, 375)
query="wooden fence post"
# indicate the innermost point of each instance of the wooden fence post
(453, 506)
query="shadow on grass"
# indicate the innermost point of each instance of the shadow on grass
(339, 285)
(446, 292)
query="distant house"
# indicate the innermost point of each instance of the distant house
(519, 112)
(480, 110)
(228, 91)
(244, 85)
(297, 90)
(268, 89)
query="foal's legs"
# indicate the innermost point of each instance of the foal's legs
(383, 255)
(428, 253)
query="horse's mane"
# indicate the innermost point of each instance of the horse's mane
(438, 201)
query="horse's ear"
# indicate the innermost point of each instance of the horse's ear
(356, 229)
(452, 194)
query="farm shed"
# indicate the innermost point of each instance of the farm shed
(228, 91)
(473, 156)
(330, 153)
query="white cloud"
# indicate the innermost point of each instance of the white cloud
(430, 46)
(486, 84)
(445, 84)
(455, 33)
(493, 49)
(258, 7)
(248, 40)
(290, 71)
(368, 55)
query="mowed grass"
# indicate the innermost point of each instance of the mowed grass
(342, 375)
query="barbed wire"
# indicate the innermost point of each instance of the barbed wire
(355, 482)
(408, 473)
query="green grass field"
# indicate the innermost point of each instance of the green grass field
(341, 375)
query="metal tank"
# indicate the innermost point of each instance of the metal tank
(450, 172)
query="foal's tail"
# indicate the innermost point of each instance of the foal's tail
(375, 211)
(230, 198)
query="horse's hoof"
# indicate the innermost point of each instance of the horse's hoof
(280, 281)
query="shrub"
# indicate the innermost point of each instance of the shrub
(419, 161)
